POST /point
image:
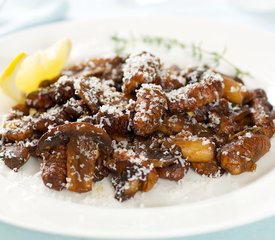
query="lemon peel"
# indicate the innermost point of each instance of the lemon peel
(8, 78)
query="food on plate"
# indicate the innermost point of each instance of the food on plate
(134, 120)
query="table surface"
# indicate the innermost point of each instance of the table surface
(242, 12)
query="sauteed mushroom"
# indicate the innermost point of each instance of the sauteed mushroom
(81, 144)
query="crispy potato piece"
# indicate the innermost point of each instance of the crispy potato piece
(243, 151)
(171, 78)
(234, 91)
(196, 149)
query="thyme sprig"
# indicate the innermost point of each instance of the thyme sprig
(198, 52)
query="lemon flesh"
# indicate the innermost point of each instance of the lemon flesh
(43, 65)
(8, 78)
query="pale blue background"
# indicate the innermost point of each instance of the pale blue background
(19, 14)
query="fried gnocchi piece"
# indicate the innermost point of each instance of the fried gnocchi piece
(261, 112)
(171, 78)
(95, 92)
(234, 91)
(150, 107)
(174, 172)
(240, 155)
(18, 111)
(18, 129)
(133, 179)
(54, 167)
(39, 99)
(74, 109)
(194, 74)
(138, 69)
(115, 119)
(192, 96)
(14, 155)
(103, 68)
(53, 117)
(57, 93)
(210, 169)
(176, 123)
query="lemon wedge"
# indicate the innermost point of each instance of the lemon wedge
(43, 65)
(8, 78)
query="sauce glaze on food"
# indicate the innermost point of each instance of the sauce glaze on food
(136, 120)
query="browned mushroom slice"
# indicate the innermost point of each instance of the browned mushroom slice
(84, 143)
(261, 112)
(150, 107)
(192, 96)
(14, 155)
(210, 169)
(138, 69)
(82, 154)
(243, 151)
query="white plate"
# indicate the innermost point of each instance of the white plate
(197, 204)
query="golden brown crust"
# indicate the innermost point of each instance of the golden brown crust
(242, 152)
(150, 107)
(138, 69)
(195, 95)
(261, 112)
